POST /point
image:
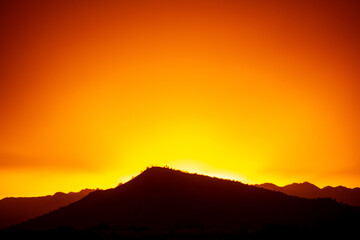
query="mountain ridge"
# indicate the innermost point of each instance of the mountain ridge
(161, 197)
(341, 194)
(156, 175)
(14, 210)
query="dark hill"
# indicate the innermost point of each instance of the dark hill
(161, 199)
(17, 210)
(349, 196)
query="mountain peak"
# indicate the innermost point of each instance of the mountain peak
(306, 186)
(310, 185)
(155, 173)
(158, 170)
(167, 178)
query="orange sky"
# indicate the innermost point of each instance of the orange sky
(93, 92)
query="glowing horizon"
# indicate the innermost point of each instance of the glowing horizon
(94, 92)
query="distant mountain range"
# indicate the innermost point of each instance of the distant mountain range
(307, 190)
(165, 203)
(17, 210)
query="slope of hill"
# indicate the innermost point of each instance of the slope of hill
(167, 201)
(307, 190)
(16, 210)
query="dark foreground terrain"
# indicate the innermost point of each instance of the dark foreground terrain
(162, 203)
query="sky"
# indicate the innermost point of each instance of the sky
(93, 92)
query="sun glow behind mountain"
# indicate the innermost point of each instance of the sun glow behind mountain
(93, 92)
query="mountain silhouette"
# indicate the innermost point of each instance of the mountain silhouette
(342, 194)
(162, 200)
(16, 210)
